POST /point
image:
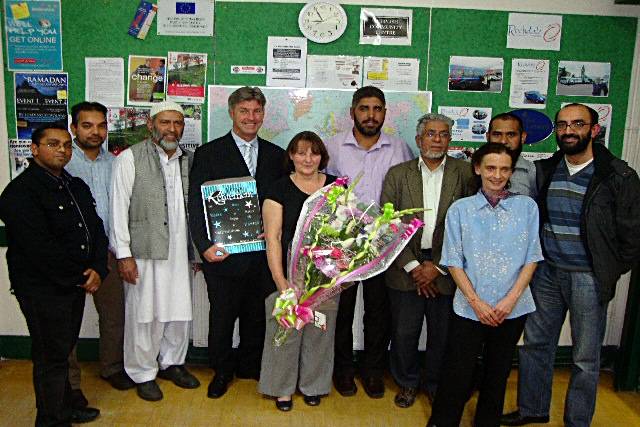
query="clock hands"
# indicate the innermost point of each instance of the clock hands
(319, 16)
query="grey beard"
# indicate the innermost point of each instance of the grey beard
(168, 145)
(433, 155)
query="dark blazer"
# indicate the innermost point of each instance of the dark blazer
(403, 187)
(220, 159)
(54, 235)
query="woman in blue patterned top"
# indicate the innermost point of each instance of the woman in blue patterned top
(491, 248)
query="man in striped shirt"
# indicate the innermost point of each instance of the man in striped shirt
(589, 204)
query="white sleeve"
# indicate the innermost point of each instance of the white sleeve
(121, 188)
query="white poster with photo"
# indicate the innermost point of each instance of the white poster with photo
(470, 123)
(334, 71)
(192, 135)
(604, 120)
(475, 74)
(19, 155)
(391, 73)
(104, 81)
(185, 18)
(578, 78)
(386, 26)
(533, 31)
(287, 61)
(529, 83)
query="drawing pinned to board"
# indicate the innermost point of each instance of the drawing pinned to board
(146, 80)
(186, 77)
(529, 83)
(532, 31)
(469, 123)
(577, 78)
(475, 74)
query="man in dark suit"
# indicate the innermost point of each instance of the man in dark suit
(417, 286)
(237, 284)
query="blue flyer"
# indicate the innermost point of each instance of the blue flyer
(40, 98)
(34, 35)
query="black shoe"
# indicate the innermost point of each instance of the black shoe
(406, 397)
(149, 391)
(345, 385)
(119, 381)
(78, 401)
(284, 405)
(218, 386)
(516, 419)
(312, 400)
(84, 415)
(180, 376)
(373, 386)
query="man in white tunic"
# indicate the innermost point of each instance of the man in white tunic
(150, 236)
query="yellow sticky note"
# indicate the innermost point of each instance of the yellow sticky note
(20, 10)
(62, 94)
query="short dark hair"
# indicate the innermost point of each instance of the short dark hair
(37, 134)
(367, 92)
(246, 93)
(593, 113)
(317, 147)
(507, 116)
(86, 106)
(491, 148)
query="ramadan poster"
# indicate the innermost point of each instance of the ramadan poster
(39, 98)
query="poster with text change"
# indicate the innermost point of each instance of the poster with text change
(146, 80)
(39, 98)
(186, 77)
(34, 35)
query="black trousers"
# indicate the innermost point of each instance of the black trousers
(240, 298)
(376, 329)
(466, 340)
(54, 325)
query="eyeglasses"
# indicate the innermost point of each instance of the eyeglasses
(577, 125)
(432, 134)
(57, 145)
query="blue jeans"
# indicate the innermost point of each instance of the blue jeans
(555, 291)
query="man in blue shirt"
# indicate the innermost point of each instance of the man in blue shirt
(91, 162)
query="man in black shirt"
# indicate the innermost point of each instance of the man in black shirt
(57, 251)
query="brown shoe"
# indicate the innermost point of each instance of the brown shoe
(373, 386)
(406, 397)
(345, 385)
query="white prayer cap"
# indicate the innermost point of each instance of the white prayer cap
(166, 106)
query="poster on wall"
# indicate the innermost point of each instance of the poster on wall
(604, 120)
(33, 32)
(386, 26)
(533, 31)
(146, 80)
(19, 155)
(391, 73)
(578, 78)
(334, 71)
(192, 135)
(39, 98)
(529, 83)
(475, 74)
(186, 77)
(104, 79)
(126, 126)
(185, 17)
(287, 61)
(470, 123)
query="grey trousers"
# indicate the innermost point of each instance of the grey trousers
(305, 359)
(109, 302)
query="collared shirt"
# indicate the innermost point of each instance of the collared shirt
(242, 144)
(492, 245)
(523, 180)
(97, 175)
(348, 158)
(431, 186)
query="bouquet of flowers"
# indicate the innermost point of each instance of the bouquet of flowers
(338, 241)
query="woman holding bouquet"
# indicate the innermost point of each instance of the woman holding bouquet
(305, 360)
(491, 248)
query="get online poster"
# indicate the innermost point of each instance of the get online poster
(34, 35)
(147, 78)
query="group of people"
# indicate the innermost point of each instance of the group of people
(507, 245)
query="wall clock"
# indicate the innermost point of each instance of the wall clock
(322, 21)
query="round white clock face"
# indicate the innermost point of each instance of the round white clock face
(322, 21)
